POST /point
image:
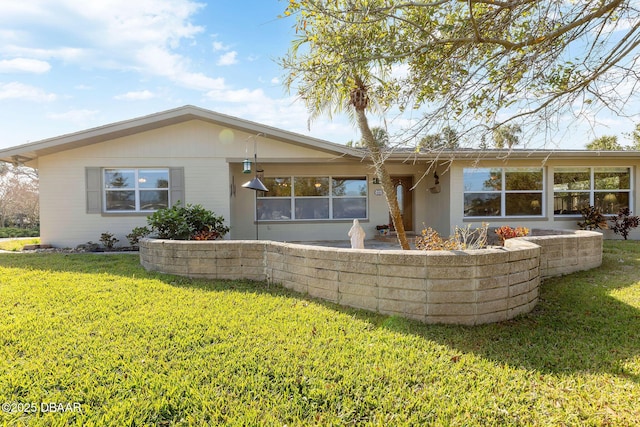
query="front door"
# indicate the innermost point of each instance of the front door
(403, 185)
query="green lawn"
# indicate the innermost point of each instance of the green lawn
(114, 345)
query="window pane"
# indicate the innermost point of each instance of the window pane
(571, 179)
(311, 186)
(523, 179)
(482, 179)
(119, 178)
(153, 199)
(148, 178)
(121, 200)
(523, 204)
(350, 208)
(278, 187)
(612, 178)
(482, 204)
(566, 203)
(274, 209)
(611, 203)
(349, 186)
(312, 208)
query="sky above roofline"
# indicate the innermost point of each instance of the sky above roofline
(67, 65)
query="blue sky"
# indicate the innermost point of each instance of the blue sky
(69, 65)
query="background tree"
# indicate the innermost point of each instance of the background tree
(380, 135)
(447, 138)
(19, 203)
(507, 136)
(634, 135)
(481, 63)
(605, 143)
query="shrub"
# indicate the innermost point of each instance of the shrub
(505, 232)
(108, 240)
(463, 238)
(186, 222)
(136, 234)
(624, 222)
(592, 219)
(9, 232)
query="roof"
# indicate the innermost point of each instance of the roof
(31, 151)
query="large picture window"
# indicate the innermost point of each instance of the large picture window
(135, 190)
(500, 192)
(313, 198)
(607, 188)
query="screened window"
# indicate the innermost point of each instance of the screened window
(606, 188)
(135, 190)
(313, 198)
(503, 192)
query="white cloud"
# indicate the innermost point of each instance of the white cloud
(218, 46)
(228, 58)
(24, 65)
(275, 81)
(16, 90)
(135, 96)
(143, 35)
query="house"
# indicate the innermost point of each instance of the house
(110, 178)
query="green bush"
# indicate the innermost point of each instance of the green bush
(7, 232)
(136, 234)
(186, 222)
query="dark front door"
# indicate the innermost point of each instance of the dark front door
(403, 185)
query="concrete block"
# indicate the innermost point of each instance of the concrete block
(413, 310)
(450, 309)
(453, 272)
(492, 294)
(402, 282)
(345, 287)
(358, 301)
(487, 307)
(323, 293)
(499, 316)
(358, 279)
(460, 297)
(402, 294)
(450, 285)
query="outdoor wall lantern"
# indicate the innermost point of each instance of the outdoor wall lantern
(246, 166)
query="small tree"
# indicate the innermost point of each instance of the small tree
(624, 222)
(592, 219)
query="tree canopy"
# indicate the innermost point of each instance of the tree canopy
(478, 63)
(605, 143)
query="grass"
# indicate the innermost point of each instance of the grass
(16, 245)
(131, 347)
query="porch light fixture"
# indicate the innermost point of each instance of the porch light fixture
(246, 166)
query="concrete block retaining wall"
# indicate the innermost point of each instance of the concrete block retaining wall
(459, 287)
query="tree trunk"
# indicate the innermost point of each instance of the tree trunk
(382, 173)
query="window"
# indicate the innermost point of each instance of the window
(313, 198)
(606, 188)
(135, 190)
(503, 192)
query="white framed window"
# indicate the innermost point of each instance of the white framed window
(607, 188)
(135, 189)
(503, 192)
(313, 198)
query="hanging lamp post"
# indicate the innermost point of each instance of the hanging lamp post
(255, 184)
